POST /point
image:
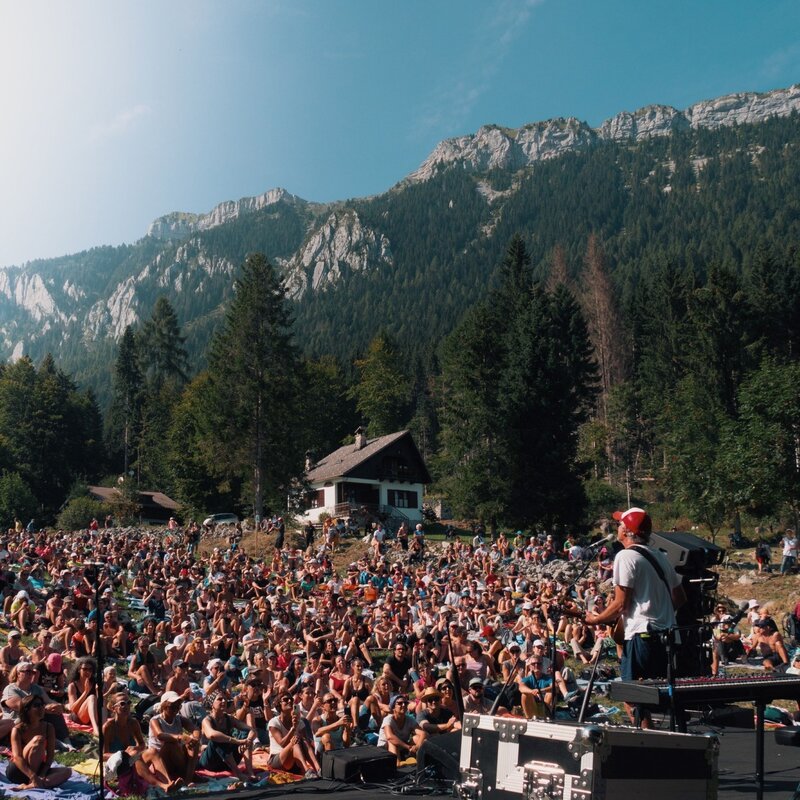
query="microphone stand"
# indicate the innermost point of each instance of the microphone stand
(588, 691)
(98, 681)
(512, 672)
(552, 639)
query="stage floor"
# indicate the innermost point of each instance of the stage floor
(737, 760)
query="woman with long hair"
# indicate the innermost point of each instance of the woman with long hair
(82, 694)
(32, 749)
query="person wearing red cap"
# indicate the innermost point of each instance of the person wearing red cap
(644, 596)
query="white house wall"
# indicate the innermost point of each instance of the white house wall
(413, 514)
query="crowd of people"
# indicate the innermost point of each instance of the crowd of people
(218, 660)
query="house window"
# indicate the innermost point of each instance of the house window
(402, 499)
(318, 499)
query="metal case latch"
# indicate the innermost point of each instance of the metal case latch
(543, 781)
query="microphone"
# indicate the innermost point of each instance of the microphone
(605, 540)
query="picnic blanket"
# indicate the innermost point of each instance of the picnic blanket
(76, 788)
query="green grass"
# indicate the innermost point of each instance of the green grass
(71, 759)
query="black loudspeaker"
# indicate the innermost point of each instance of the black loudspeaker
(441, 752)
(367, 763)
(687, 552)
(692, 558)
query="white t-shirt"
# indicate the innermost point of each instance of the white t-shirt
(651, 602)
(273, 725)
(790, 546)
(404, 733)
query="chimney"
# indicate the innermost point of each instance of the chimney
(361, 438)
(309, 461)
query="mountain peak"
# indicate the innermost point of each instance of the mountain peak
(178, 225)
(513, 148)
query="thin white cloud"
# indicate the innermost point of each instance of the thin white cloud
(121, 123)
(452, 102)
(511, 17)
(781, 62)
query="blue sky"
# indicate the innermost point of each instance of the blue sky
(112, 114)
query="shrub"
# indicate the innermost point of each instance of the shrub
(16, 499)
(78, 513)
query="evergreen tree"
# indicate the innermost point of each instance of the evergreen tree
(162, 346)
(695, 429)
(124, 418)
(382, 391)
(192, 453)
(547, 389)
(253, 386)
(721, 334)
(762, 452)
(469, 462)
(517, 382)
(328, 413)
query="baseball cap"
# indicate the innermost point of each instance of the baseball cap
(170, 697)
(537, 643)
(636, 520)
(753, 604)
(475, 682)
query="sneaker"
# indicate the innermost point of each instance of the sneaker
(312, 773)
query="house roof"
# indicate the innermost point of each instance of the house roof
(109, 494)
(342, 461)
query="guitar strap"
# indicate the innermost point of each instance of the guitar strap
(653, 563)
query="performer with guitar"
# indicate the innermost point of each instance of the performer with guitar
(647, 590)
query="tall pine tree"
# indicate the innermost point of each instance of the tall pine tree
(254, 388)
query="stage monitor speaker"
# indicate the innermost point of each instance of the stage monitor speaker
(687, 552)
(367, 763)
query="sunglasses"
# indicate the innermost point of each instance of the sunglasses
(401, 703)
(124, 704)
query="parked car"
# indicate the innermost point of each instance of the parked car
(220, 519)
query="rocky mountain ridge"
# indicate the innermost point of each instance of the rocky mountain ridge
(180, 224)
(508, 148)
(83, 302)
